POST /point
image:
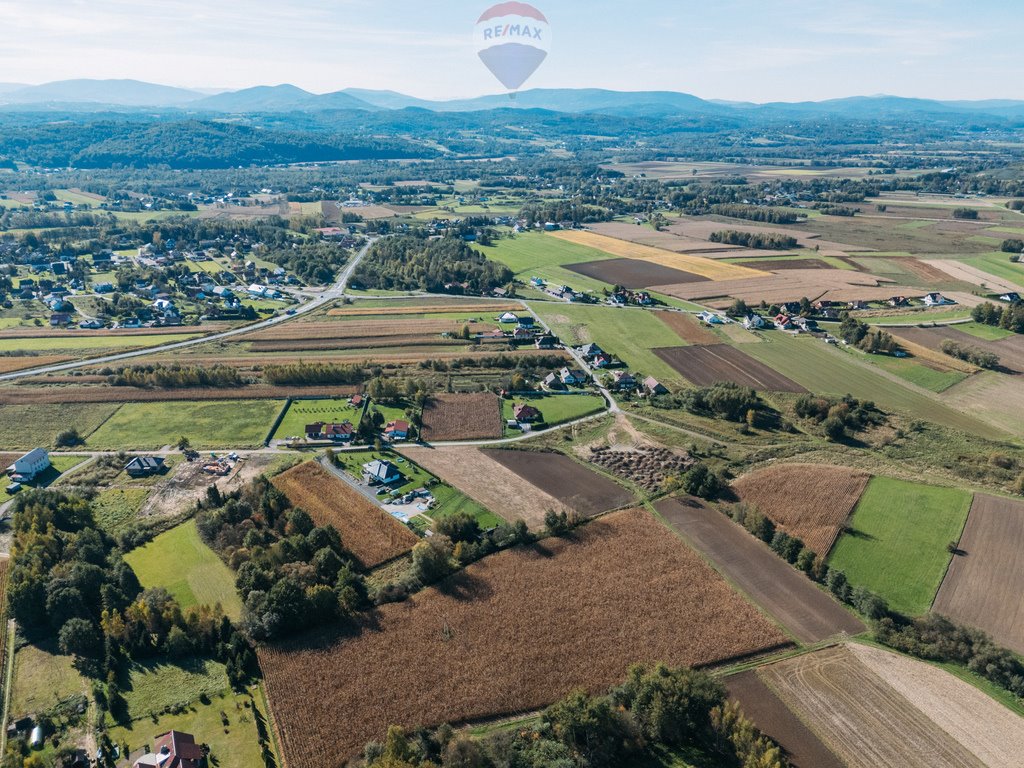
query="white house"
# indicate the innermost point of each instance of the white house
(380, 473)
(29, 466)
(753, 323)
(509, 317)
(937, 300)
(712, 319)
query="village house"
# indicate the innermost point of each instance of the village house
(525, 413)
(899, 301)
(711, 318)
(545, 342)
(588, 351)
(174, 749)
(753, 322)
(623, 381)
(553, 382)
(572, 377)
(380, 473)
(508, 317)
(397, 430)
(144, 466)
(30, 466)
(783, 322)
(654, 387)
(806, 325)
(937, 300)
(339, 432)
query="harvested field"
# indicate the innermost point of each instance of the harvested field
(633, 273)
(803, 748)
(984, 582)
(706, 365)
(697, 265)
(108, 333)
(1010, 350)
(648, 468)
(10, 364)
(807, 612)
(493, 639)
(792, 285)
(462, 417)
(578, 488)
(487, 482)
(367, 531)
(867, 722)
(981, 724)
(960, 271)
(496, 307)
(809, 501)
(27, 396)
(687, 328)
(355, 329)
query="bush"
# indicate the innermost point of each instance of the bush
(69, 438)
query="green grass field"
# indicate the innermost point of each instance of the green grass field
(629, 333)
(181, 563)
(537, 255)
(898, 539)
(557, 409)
(986, 332)
(31, 426)
(116, 508)
(999, 265)
(916, 373)
(303, 412)
(450, 501)
(42, 678)
(921, 316)
(232, 745)
(824, 370)
(155, 685)
(57, 343)
(207, 424)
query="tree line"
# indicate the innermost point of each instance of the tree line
(1010, 318)
(446, 265)
(765, 241)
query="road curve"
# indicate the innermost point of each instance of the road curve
(333, 293)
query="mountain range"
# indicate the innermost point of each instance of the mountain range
(98, 95)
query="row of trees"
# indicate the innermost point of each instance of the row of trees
(767, 241)
(979, 357)
(176, 377)
(1010, 318)
(302, 374)
(755, 213)
(655, 708)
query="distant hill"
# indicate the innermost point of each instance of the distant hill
(128, 93)
(277, 98)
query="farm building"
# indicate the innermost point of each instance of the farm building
(380, 473)
(525, 413)
(29, 466)
(144, 466)
(173, 750)
(397, 430)
(342, 432)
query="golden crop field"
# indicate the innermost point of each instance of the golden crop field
(698, 265)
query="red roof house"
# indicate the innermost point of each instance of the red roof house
(172, 750)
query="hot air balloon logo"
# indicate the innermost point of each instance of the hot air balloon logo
(513, 39)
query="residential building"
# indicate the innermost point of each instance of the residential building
(174, 749)
(654, 387)
(29, 466)
(397, 430)
(525, 413)
(144, 466)
(381, 473)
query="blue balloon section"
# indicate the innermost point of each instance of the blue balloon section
(513, 63)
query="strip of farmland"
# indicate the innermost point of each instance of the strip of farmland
(985, 581)
(26, 396)
(462, 417)
(493, 640)
(1010, 350)
(807, 612)
(706, 365)
(633, 273)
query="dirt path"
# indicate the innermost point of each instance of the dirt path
(806, 611)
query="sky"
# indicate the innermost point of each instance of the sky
(773, 50)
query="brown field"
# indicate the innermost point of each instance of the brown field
(893, 712)
(697, 265)
(792, 285)
(454, 308)
(510, 634)
(664, 240)
(47, 333)
(26, 396)
(706, 365)
(983, 585)
(345, 357)
(333, 329)
(687, 328)
(10, 364)
(703, 228)
(647, 466)
(809, 501)
(483, 479)
(462, 417)
(367, 531)
(807, 612)
(803, 748)
(578, 488)
(784, 265)
(633, 273)
(364, 342)
(1010, 350)
(935, 359)
(993, 397)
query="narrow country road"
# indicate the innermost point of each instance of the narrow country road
(333, 293)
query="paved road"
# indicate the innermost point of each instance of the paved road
(333, 293)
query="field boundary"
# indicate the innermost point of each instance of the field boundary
(277, 422)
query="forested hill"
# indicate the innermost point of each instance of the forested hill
(188, 144)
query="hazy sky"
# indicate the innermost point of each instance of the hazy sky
(727, 49)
